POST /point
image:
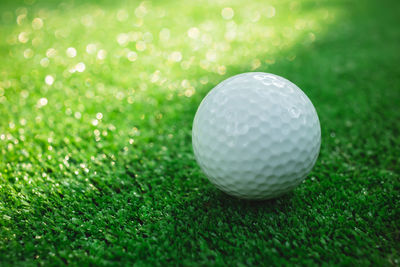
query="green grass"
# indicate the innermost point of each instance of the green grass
(96, 167)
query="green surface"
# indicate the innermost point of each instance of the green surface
(96, 165)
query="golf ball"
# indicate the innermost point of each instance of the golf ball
(256, 136)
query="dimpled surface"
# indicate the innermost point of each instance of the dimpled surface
(256, 135)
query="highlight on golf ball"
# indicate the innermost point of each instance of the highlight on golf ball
(256, 136)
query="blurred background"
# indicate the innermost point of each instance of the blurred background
(97, 100)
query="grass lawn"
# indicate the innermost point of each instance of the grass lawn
(97, 100)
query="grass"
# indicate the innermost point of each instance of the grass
(97, 101)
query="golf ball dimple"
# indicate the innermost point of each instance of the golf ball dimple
(256, 136)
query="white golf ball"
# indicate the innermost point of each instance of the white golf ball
(256, 136)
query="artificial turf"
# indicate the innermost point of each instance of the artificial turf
(97, 100)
